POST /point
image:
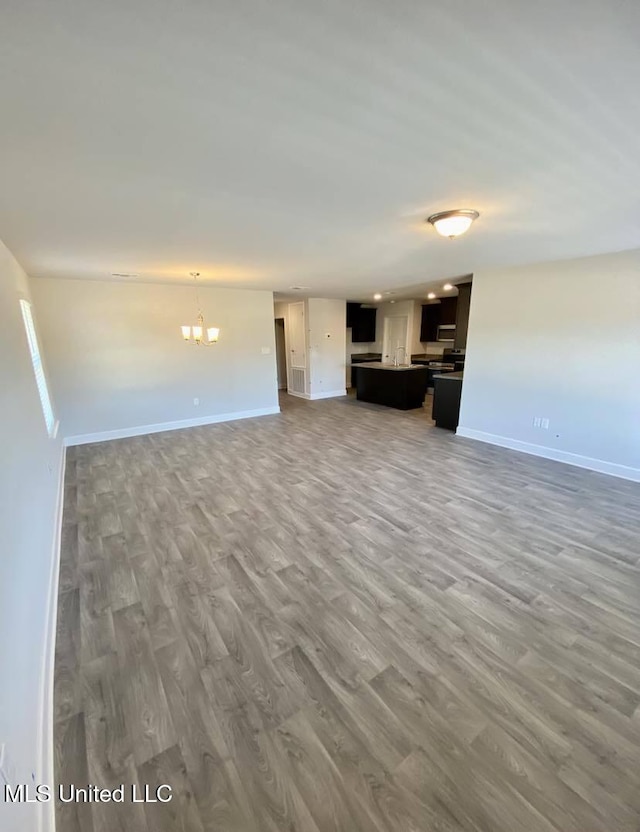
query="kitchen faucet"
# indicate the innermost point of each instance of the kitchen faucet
(395, 357)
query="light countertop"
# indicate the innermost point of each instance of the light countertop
(451, 376)
(378, 365)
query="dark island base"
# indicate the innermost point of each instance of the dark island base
(402, 389)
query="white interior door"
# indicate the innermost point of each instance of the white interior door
(297, 348)
(395, 335)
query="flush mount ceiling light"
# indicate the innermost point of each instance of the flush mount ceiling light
(196, 334)
(453, 223)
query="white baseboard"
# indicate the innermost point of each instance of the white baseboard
(141, 430)
(45, 764)
(330, 394)
(599, 465)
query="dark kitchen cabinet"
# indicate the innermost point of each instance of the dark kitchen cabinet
(462, 315)
(435, 315)
(448, 308)
(404, 389)
(365, 329)
(430, 322)
(362, 322)
(446, 400)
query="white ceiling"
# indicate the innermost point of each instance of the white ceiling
(298, 142)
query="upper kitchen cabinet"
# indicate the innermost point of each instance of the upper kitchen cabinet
(435, 315)
(430, 321)
(362, 322)
(448, 308)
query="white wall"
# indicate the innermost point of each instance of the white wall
(560, 341)
(327, 327)
(29, 492)
(280, 309)
(325, 356)
(118, 361)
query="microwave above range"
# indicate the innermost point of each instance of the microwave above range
(446, 332)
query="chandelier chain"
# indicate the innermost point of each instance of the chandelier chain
(195, 276)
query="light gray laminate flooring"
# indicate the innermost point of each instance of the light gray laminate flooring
(342, 618)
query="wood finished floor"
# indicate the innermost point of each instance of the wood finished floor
(341, 618)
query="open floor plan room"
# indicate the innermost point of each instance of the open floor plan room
(319, 416)
(390, 630)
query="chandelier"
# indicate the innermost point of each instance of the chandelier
(196, 334)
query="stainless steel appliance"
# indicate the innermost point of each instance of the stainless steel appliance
(455, 356)
(437, 368)
(447, 332)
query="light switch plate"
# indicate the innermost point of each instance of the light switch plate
(266, 350)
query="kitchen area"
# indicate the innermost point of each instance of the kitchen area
(411, 354)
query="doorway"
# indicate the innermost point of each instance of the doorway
(297, 351)
(395, 336)
(281, 354)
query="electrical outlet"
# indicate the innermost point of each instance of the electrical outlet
(196, 402)
(266, 350)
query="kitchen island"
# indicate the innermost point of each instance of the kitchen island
(403, 387)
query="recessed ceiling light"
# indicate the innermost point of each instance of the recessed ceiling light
(299, 288)
(453, 223)
(448, 287)
(124, 274)
(377, 296)
(431, 295)
(392, 301)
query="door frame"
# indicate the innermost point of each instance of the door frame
(284, 382)
(385, 338)
(305, 350)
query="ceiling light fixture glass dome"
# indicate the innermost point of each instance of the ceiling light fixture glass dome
(453, 223)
